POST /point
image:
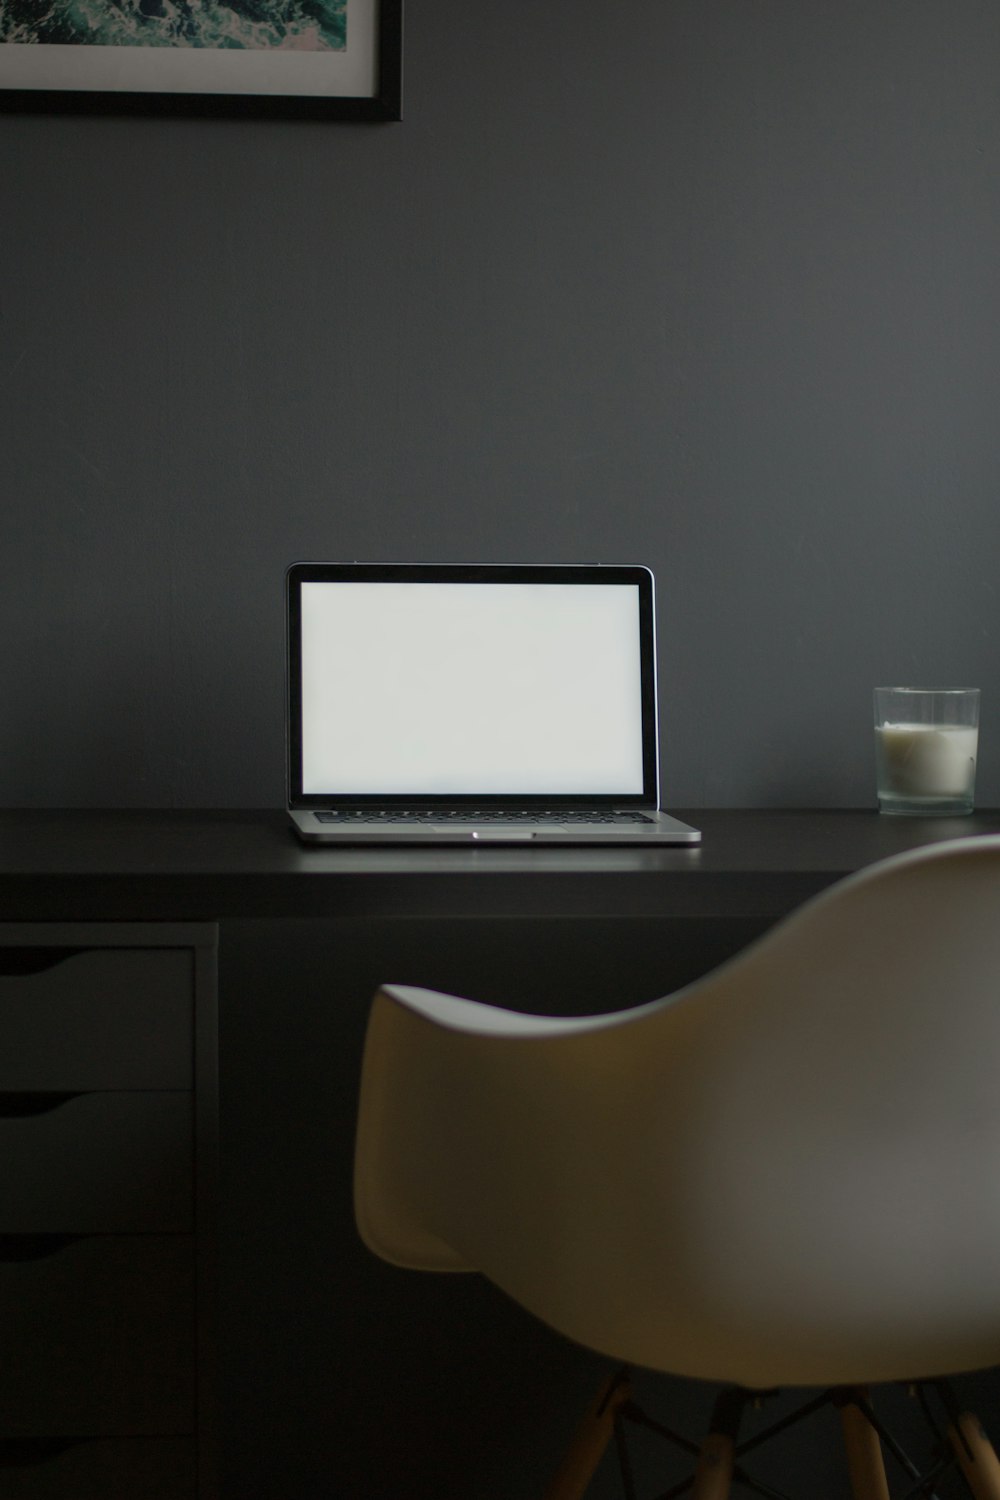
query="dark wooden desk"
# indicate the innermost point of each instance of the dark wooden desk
(339, 1375)
(238, 865)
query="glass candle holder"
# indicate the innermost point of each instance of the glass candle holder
(926, 744)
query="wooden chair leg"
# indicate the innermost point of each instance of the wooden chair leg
(865, 1464)
(592, 1438)
(713, 1475)
(976, 1456)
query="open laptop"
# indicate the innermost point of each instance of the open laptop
(473, 704)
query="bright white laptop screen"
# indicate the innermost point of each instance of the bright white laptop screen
(440, 688)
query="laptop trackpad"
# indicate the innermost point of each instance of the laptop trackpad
(502, 835)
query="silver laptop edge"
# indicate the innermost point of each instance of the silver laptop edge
(660, 828)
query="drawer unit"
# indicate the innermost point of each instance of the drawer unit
(108, 1135)
(99, 1335)
(103, 1019)
(98, 1469)
(96, 1163)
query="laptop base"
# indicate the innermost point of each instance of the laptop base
(654, 828)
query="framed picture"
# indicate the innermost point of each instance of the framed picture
(319, 59)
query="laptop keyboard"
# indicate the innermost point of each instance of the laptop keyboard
(487, 815)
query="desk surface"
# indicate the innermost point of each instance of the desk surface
(162, 865)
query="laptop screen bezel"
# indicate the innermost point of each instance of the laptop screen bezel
(638, 577)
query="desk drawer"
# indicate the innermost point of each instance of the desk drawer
(97, 1336)
(99, 1469)
(96, 1163)
(114, 1018)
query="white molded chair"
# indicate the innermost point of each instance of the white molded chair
(785, 1174)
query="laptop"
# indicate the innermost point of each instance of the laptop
(473, 704)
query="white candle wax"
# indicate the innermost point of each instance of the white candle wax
(926, 760)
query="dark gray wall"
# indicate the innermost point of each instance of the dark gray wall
(707, 284)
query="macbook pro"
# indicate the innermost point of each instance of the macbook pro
(474, 704)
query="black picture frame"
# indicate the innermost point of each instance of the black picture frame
(381, 62)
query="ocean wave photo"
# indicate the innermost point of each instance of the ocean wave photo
(303, 25)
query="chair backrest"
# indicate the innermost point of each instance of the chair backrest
(786, 1173)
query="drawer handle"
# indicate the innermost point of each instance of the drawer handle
(22, 1247)
(18, 1453)
(20, 961)
(16, 1105)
